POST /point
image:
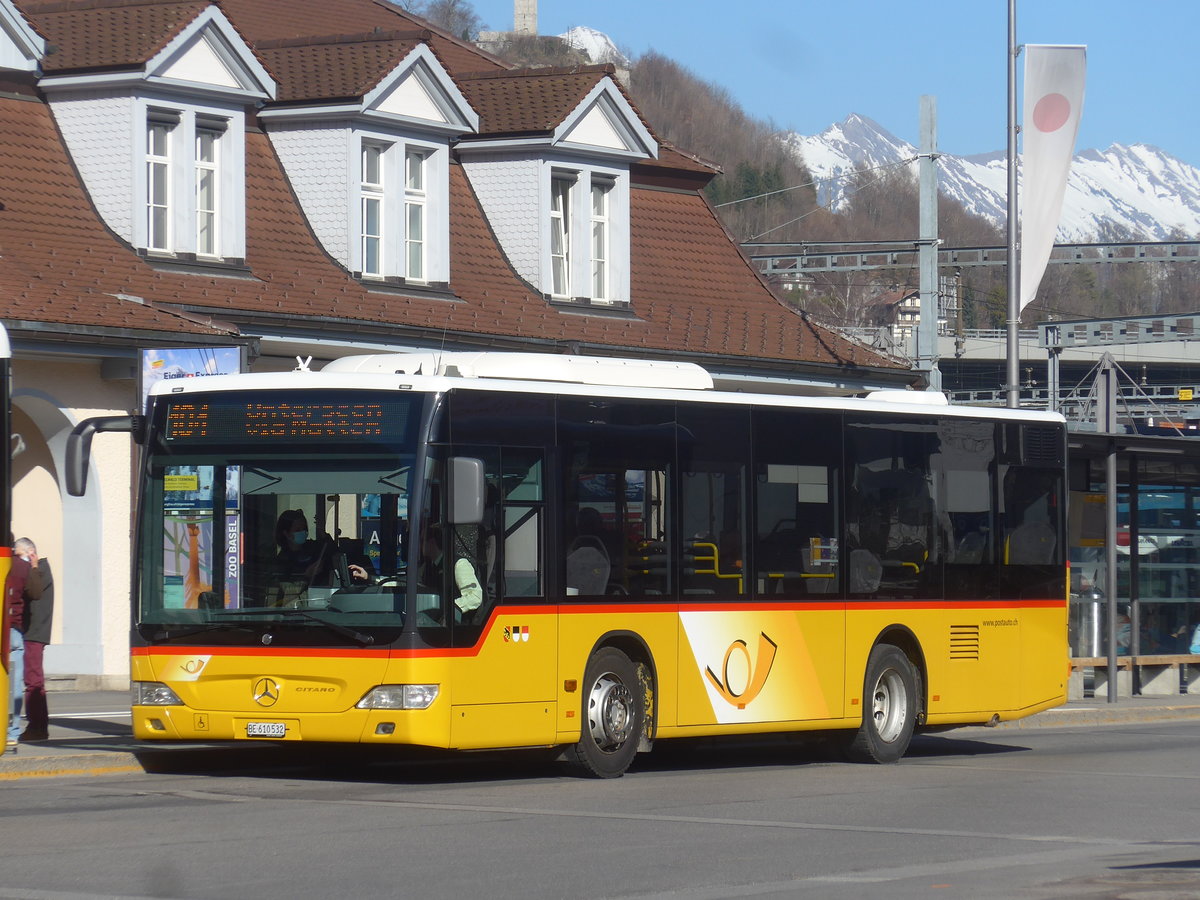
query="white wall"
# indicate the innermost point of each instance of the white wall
(98, 130)
(86, 539)
(508, 191)
(324, 193)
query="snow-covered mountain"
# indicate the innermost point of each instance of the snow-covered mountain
(597, 45)
(1122, 192)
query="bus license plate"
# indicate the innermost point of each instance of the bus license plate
(266, 729)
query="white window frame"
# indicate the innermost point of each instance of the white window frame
(595, 266)
(424, 239)
(372, 199)
(201, 213)
(415, 209)
(562, 186)
(601, 237)
(158, 205)
(208, 216)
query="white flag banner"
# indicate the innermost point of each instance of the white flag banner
(1054, 78)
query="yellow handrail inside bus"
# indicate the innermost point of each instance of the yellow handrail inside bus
(713, 559)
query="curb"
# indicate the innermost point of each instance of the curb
(1104, 714)
(13, 767)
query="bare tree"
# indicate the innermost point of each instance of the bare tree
(762, 184)
(456, 16)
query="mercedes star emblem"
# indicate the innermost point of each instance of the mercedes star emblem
(266, 692)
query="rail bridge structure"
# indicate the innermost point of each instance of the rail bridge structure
(1157, 358)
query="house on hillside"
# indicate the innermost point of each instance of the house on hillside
(317, 180)
(899, 310)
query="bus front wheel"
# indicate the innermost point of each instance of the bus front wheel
(889, 707)
(613, 716)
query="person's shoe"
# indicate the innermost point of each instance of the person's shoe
(12, 748)
(29, 736)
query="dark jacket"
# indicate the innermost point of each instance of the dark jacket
(39, 611)
(16, 589)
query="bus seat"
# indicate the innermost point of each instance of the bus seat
(588, 565)
(865, 572)
(1031, 544)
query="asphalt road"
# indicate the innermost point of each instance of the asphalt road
(1078, 812)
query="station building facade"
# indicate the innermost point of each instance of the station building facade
(222, 178)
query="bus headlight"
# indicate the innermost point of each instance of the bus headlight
(154, 693)
(399, 696)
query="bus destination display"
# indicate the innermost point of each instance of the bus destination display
(290, 419)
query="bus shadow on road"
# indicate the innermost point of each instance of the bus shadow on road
(82, 727)
(408, 765)
(934, 745)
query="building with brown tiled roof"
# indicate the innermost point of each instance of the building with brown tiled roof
(335, 178)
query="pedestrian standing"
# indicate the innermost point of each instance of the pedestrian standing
(16, 588)
(39, 614)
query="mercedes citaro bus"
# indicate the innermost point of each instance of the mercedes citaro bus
(486, 550)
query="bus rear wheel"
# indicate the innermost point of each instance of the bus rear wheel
(613, 716)
(889, 707)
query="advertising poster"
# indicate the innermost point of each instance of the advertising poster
(191, 543)
(186, 362)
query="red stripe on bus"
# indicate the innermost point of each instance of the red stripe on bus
(210, 650)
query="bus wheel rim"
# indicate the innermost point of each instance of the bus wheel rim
(610, 712)
(889, 705)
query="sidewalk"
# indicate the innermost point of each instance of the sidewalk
(90, 734)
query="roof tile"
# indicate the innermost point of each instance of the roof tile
(692, 290)
(108, 34)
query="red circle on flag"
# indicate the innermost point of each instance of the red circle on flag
(1051, 112)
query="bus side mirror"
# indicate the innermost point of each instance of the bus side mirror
(79, 445)
(466, 490)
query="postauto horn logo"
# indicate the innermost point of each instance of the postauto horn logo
(758, 668)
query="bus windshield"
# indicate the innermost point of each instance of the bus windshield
(277, 512)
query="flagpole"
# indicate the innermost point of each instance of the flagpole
(1013, 375)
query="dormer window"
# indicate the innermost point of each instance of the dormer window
(372, 169)
(158, 138)
(394, 209)
(574, 244)
(186, 179)
(586, 228)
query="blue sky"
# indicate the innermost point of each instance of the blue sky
(805, 65)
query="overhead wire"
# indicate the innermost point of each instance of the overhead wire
(827, 206)
(816, 182)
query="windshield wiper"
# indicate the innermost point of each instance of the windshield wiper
(364, 639)
(164, 634)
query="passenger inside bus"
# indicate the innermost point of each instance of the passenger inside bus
(314, 562)
(468, 592)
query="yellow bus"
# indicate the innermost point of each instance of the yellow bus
(491, 550)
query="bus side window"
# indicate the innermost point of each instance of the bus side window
(505, 550)
(713, 499)
(521, 545)
(1031, 483)
(890, 509)
(797, 455)
(964, 480)
(617, 456)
